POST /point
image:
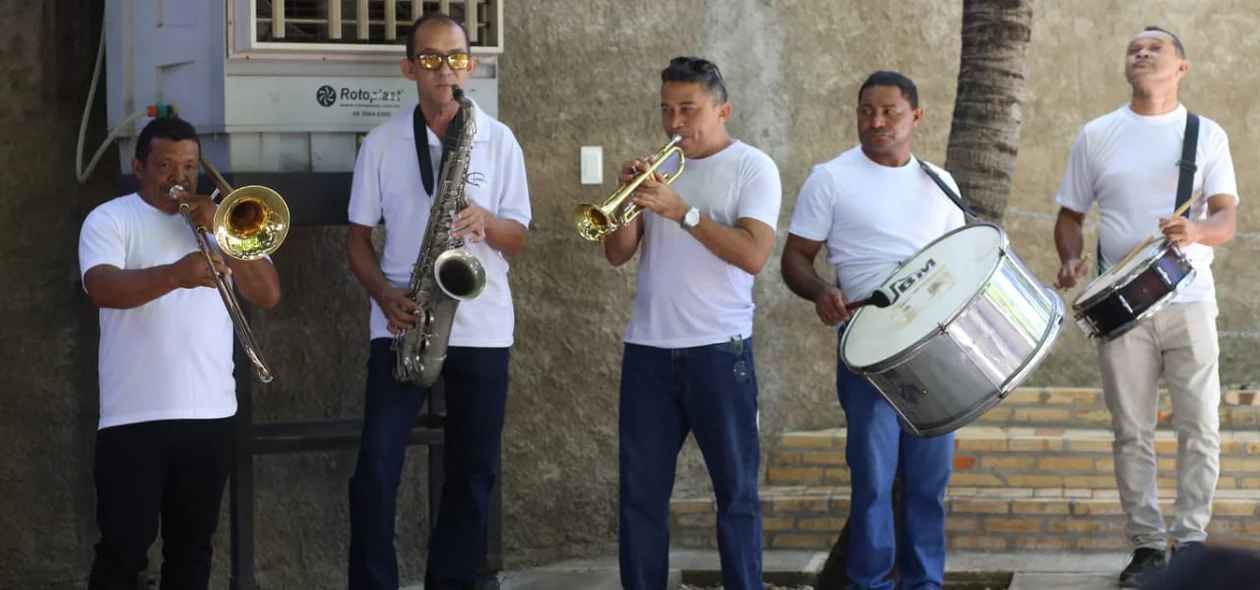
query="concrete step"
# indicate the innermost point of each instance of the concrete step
(1084, 407)
(1018, 457)
(1061, 406)
(810, 518)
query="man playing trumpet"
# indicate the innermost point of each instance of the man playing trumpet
(688, 363)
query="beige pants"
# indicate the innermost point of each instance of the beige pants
(1178, 343)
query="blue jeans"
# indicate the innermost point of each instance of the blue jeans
(476, 381)
(877, 451)
(666, 393)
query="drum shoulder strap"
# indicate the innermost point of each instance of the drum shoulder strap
(1185, 183)
(949, 192)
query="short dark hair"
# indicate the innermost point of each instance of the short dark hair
(698, 70)
(1181, 50)
(887, 78)
(172, 128)
(433, 17)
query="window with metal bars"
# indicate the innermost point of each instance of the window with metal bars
(369, 22)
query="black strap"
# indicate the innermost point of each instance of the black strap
(949, 192)
(422, 145)
(1185, 184)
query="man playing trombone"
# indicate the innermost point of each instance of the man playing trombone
(688, 363)
(167, 393)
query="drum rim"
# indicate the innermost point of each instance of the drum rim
(1154, 308)
(1125, 279)
(1045, 346)
(900, 356)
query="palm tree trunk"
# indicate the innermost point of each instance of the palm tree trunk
(984, 137)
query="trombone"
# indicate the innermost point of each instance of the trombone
(594, 223)
(250, 223)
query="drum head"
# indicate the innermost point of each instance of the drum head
(927, 291)
(1117, 274)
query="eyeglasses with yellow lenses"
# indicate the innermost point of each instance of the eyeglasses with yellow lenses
(433, 61)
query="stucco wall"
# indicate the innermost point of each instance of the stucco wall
(577, 72)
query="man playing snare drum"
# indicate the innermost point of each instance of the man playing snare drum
(874, 206)
(1126, 161)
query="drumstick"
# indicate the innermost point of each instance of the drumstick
(1156, 236)
(1082, 267)
(878, 298)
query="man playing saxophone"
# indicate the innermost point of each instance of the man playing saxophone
(688, 362)
(167, 395)
(396, 180)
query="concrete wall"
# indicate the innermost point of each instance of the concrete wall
(580, 72)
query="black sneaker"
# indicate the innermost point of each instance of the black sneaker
(1143, 562)
(1185, 549)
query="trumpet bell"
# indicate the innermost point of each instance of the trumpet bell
(592, 223)
(251, 222)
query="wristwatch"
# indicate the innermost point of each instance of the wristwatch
(690, 219)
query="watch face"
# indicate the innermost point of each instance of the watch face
(692, 217)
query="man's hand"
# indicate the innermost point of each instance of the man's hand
(399, 310)
(830, 306)
(191, 270)
(630, 169)
(1069, 274)
(472, 222)
(655, 195)
(202, 209)
(1180, 232)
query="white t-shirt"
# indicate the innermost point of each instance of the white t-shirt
(686, 295)
(387, 186)
(1128, 163)
(872, 217)
(170, 358)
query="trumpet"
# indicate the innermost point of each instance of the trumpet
(595, 223)
(250, 223)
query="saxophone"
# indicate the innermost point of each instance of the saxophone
(445, 272)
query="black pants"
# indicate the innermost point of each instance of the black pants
(172, 471)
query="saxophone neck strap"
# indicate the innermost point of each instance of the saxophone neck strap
(421, 133)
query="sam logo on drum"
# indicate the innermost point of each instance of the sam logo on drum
(904, 285)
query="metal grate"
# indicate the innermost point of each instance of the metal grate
(368, 22)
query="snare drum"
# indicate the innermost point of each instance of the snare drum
(967, 324)
(1121, 298)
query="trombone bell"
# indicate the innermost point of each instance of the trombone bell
(595, 222)
(251, 222)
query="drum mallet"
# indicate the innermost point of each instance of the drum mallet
(878, 298)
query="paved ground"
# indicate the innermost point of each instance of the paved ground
(1033, 570)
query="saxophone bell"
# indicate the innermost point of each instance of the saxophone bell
(460, 274)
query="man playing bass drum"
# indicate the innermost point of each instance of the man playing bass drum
(873, 206)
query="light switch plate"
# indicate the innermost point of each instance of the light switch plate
(592, 164)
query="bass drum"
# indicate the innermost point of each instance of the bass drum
(967, 324)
